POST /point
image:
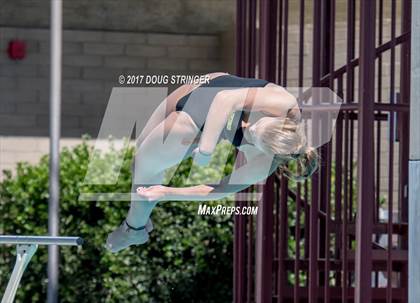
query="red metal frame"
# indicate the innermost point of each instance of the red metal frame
(333, 218)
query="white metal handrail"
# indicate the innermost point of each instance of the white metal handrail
(26, 247)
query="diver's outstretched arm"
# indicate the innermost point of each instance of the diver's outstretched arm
(256, 170)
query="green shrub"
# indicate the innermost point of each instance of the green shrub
(188, 258)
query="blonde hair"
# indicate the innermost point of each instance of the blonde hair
(286, 139)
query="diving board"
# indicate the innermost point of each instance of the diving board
(26, 247)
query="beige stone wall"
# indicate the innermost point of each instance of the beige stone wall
(15, 149)
(92, 62)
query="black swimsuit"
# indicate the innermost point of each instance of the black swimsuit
(200, 100)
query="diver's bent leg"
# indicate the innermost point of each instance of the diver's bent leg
(155, 155)
(134, 230)
(152, 158)
(140, 211)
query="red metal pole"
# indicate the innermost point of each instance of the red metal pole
(366, 194)
(327, 193)
(264, 245)
(239, 222)
(252, 38)
(264, 240)
(296, 289)
(315, 195)
(391, 155)
(240, 36)
(338, 185)
(267, 39)
(285, 41)
(283, 240)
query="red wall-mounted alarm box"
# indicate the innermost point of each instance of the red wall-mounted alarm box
(16, 49)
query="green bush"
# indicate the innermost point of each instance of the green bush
(188, 258)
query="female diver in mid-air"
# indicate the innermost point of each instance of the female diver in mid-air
(275, 135)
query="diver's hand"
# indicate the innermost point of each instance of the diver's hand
(152, 193)
(200, 158)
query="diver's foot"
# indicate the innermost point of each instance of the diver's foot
(125, 236)
(149, 225)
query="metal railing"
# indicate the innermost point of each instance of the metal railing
(324, 240)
